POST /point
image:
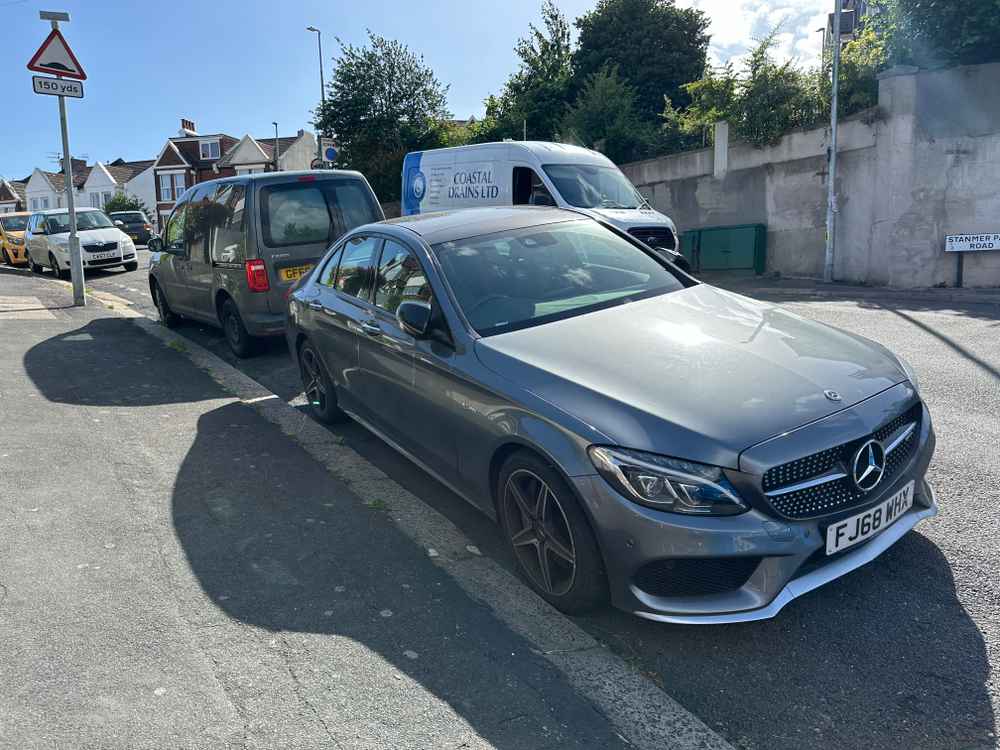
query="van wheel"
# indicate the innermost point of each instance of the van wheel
(317, 387)
(133, 266)
(57, 272)
(239, 340)
(168, 318)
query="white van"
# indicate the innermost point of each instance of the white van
(533, 173)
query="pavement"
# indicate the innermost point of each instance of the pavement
(904, 652)
(178, 572)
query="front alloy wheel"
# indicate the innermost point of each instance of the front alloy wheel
(316, 386)
(550, 536)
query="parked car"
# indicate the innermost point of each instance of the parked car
(135, 224)
(696, 455)
(12, 226)
(535, 173)
(102, 244)
(233, 247)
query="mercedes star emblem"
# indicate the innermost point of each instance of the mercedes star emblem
(868, 466)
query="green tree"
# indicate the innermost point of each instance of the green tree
(657, 47)
(604, 117)
(382, 102)
(123, 202)
(535, 97)
(938, 32)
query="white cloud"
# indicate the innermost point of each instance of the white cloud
(737, 24)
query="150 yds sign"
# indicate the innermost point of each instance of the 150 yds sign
(57, 86)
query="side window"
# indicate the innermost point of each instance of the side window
(353, 201)
(400, 278)
(328, 277)
(228, 231)
(354, 276)
(197, 223)
(529, 190)
(174, 236)
(294, 214)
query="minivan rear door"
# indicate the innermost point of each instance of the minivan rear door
(300, 217)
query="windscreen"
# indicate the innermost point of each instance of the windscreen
(588, 186)
(14, 223)
(525, 277)
(59, 223)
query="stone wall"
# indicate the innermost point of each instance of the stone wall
(925, 163)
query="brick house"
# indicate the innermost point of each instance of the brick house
(191, 157)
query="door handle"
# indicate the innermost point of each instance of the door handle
(371, 328)
(315, 305)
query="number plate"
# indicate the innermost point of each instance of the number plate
(856, 529)
(295, 272)
(101, 256)
(133, 236)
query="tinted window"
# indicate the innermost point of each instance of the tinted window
(515, 279)
(14, 223)
(354, 276)
(311, 212)
(133, 217)
(400, 277)
(198, 220)
(228, 239)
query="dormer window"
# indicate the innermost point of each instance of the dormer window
(209, 149)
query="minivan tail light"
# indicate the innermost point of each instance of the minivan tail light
(257, 276)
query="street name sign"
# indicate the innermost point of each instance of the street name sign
(57, 86)
(971, 243)
(55, 57)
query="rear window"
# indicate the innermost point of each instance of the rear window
(302, 213)
(133, 216)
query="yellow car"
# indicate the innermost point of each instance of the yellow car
(12, 238)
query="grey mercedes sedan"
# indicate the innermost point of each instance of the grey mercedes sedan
(689, 454)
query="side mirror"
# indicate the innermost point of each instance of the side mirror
(119, 223)
(155, 244)
(414, 318)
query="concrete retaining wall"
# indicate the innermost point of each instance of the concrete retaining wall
(924, 164)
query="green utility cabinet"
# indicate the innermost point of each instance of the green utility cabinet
(737, 248)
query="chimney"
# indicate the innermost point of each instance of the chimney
(187, 127)
(301, 132)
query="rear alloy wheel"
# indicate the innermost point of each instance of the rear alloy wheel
(319, 391)
(550, 536)
(239, 339)
(168, 318)
(35, 268)
(56, 270)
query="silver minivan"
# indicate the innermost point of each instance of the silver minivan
(232, 247)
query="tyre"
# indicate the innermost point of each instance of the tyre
(239, 340)
(56, 270)
(6, 258)
(133, 266)
(549, 535)
(168, 317)
(35, 268)
(317, 386)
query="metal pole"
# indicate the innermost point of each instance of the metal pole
(322, 86)
(831, 187)
(75, 260)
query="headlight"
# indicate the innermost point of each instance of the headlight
(911, 374)
(668, 483)
(17, 240)
(127, 244)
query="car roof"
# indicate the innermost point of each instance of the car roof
(459, 224)
(279, 177)
(547, 152)
(15, 213)
(79, 210)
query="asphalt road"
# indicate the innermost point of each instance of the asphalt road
(904, 652)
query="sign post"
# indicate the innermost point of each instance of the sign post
(55, 56)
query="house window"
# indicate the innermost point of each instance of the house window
(45, 203)
(95, 200)
(171, 186)
(58, 202)
(209, 149)
(107, 197)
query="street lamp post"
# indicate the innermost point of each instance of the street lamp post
(831, 188)
(322, 85)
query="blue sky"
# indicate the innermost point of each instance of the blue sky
(236, 66)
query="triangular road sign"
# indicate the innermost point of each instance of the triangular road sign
(55, 56)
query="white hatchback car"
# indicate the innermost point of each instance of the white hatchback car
(102, 243)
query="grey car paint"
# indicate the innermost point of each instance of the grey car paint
(699, 374)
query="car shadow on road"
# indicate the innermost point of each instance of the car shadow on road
(378, 640)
